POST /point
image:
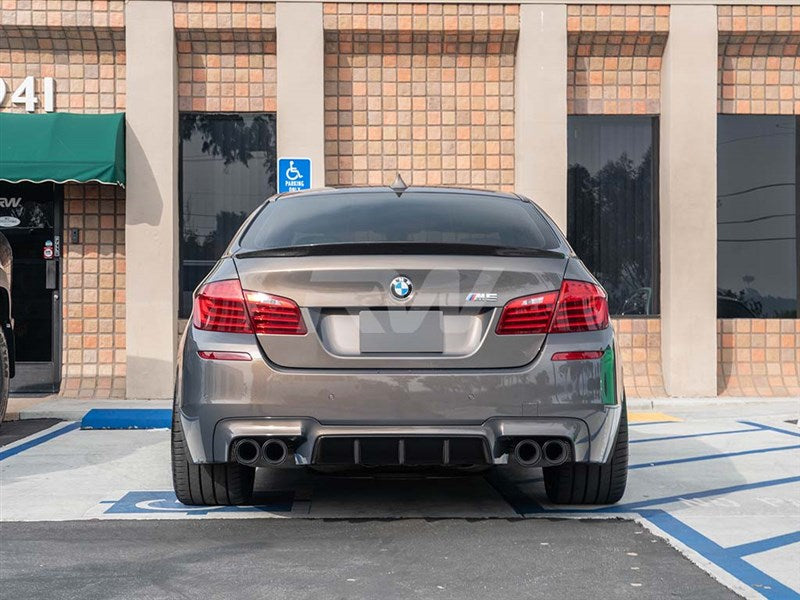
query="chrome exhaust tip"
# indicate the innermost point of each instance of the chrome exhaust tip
(274, 451)
(527, 453)
(555, 452)
(246, 451)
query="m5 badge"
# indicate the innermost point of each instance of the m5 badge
(481, 297)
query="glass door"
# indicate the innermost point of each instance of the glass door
(30, 217)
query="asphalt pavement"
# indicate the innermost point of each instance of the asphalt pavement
(384, 558)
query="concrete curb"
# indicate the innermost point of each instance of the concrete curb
(70, 409)
(666, 403)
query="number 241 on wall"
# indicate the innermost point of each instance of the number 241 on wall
(25, 94)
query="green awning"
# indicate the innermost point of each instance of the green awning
(62, 147)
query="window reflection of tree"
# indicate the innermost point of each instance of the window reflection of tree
(610, 226)
(233, 138)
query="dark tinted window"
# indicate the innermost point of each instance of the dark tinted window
(612, 206)
(414, 217)
(757, 206)
(227, 170)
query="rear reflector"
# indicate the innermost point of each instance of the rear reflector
(594, 354)
(224, 306)
(215, 355)
(219, 306)
(578, 306)
(274, 315)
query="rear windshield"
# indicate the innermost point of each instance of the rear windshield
(384, 218)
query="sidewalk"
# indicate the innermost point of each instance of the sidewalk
(69, 409)
(73, 409)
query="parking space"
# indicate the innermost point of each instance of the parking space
(724, 491)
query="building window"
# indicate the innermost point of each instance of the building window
(757, 216)
(227, 164)
(612, 206)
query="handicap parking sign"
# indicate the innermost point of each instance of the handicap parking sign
(294, 174)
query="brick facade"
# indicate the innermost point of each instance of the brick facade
(80, 44)
(758, 357)
(759, 60)
(640, 349)
(614, 58)
(226, 56)
(93, 302)
(426, 90)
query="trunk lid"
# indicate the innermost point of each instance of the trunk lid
(355, 322)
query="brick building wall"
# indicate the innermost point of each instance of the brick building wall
(82, 45)
(226, 56)
(426, 90)
(614, 58)
(758, 357)
(759, 62)
(759, 73)
(93, 301)
(640, 351)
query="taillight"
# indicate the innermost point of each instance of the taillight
(274, 315)
(582, 306)
(530, 314)
(578, 306)
(224, 306)
(219, 306)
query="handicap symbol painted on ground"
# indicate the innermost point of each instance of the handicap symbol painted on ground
(165, 502)
(294, 174)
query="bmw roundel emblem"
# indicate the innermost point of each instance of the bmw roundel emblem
(400, 287)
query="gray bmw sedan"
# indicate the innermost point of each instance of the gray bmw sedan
(399, 327)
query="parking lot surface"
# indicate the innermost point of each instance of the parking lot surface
(718, 486)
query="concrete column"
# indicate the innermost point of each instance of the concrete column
(688, 190)
(301, 93)
(151, 212)
(541, 108)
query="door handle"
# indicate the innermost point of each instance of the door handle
(50, 275)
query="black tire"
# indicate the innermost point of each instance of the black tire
(584, 483)
(207, 485)
(5, 376)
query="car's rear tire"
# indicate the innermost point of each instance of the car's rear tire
(5, 376)
(210, 484)
(586, 483)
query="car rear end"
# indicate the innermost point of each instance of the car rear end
(375, 328)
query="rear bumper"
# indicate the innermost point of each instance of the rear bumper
(307, 432)
(220, 401)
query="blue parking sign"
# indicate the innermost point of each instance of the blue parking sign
(294, 174)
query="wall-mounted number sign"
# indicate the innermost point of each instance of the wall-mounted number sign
(26, 93)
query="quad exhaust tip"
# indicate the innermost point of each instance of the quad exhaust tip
(555, 452)
(274, 451)
(527, 453)
(247, 452)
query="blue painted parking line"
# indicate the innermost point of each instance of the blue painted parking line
(770, 428)
(694, 435)
(143, 503)
(36, 441)
(727, 559)
(127, 418)
(764, 545)
(677, 461)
